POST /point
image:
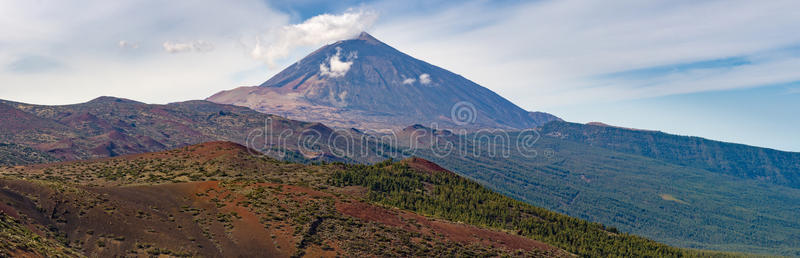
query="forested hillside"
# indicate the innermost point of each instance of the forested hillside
(448, 196)
(678, 205)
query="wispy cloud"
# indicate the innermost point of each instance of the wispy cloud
(127, 44)
(196, 46)
(30, 64)
(87, 38)
(315, 31)
(556, 53)
(537, 53)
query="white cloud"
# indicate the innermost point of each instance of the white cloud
(196, 46)
(173, 47)
(334, 67)
(202, 46)
(127, 44)
(317, 30)
(713, 79)
(425, 78)
(84, 40)
(539, 54)
(409, 81)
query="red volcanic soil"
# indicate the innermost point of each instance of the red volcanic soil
(424, 165)
(185, 219)
(168, 219)
(247, 228)
(218, 218)
(13, 120)
(206, 151)
(199, 152)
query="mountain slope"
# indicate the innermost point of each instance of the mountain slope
(367, 84)
(761, 164)
(107, 127)
(13, 155)
(541, 118)
(216, 198)
(18, 241)
(680, 205)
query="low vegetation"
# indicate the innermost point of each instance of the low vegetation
(17, 240)
(214, 198)
(14, 155)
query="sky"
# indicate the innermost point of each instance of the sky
(724, 70)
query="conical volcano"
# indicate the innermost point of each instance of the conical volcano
(365, 83)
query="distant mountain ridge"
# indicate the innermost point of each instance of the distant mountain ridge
(763, 164)
(108, 126)
(364, 83)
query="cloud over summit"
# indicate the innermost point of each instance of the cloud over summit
(317, 30)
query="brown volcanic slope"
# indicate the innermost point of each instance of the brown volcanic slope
(107, 127)
(217, 199)
(382, 89)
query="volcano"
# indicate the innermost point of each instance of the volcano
(365, 83)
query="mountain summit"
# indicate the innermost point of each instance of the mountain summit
(365, 83)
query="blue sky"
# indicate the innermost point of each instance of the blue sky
(725, 70)
(762, 116)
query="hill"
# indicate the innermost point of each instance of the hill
(108, 127)
(217, 199)
(366, 84)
